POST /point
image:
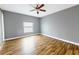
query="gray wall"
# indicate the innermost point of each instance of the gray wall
(63, 24)
(13, 23)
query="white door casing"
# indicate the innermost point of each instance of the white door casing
(1, 29)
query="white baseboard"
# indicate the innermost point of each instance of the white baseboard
(21, 36)
(45, 35)
(62, 39)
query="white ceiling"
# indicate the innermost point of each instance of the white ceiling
(25, 8)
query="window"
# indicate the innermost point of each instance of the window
(28, 27)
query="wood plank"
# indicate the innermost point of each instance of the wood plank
(38, 45)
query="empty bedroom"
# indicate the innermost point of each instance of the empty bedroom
(39, 29)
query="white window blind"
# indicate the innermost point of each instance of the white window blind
(28, 27)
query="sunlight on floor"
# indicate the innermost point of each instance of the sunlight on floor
(30, 44)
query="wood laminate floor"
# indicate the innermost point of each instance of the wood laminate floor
(38, 45)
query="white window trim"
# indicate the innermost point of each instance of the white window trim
(28, 27)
